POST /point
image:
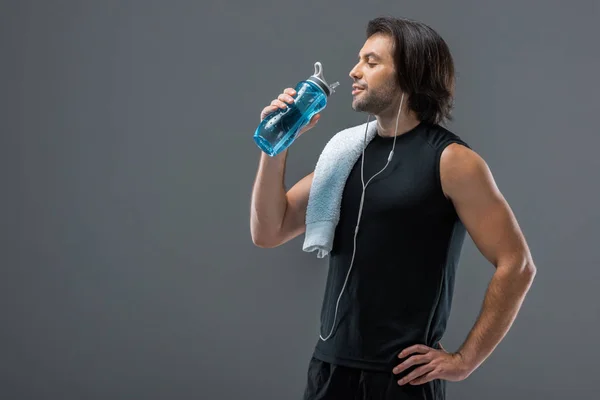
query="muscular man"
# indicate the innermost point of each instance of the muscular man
(383, 339)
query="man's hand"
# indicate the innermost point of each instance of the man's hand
(432, 364)
(282, 102)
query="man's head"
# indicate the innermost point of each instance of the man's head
(407, 56)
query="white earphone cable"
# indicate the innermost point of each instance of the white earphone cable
(362, 200)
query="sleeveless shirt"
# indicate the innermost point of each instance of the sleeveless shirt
(399, 292)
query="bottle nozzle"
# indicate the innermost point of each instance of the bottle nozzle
(333, 86)
(318, 75)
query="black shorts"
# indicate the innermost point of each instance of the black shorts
(335, 382)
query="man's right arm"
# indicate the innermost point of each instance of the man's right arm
(277, 216)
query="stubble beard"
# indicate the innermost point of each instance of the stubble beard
(374, 102)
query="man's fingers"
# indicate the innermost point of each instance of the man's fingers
(279, 103)
(414, 360)
(267, 110)
(286, 98)
(428, 377)
(416, 373)
(417, 348)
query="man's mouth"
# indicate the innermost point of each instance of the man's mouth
(356, 89)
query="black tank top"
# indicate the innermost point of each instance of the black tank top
(399, 291)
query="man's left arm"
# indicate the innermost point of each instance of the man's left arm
(468, 183)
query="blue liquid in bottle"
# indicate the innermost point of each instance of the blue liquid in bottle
(279, 130)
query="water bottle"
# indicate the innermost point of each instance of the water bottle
(278, 130)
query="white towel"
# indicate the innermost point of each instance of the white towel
(325, 198)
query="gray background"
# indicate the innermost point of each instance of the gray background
(127, 267)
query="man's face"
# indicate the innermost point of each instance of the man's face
(375, 82)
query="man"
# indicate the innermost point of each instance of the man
(385, 343)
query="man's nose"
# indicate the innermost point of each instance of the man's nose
(354, 73)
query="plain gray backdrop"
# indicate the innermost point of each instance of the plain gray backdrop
(127, 266)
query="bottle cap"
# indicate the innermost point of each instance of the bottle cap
(319, 79)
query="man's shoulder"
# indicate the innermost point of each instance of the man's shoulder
(458, 163)
(440, 137)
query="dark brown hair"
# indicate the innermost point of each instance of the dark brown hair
(424, 65)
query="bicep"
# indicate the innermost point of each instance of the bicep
(294, 220)
(487, 216)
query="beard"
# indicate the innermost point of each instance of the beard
(374, 101)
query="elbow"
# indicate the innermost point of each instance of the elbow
(265, 235)
(529, 271)
(527, 268)
(262, 240)
(521, 273)
(525, 273)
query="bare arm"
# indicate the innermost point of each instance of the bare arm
(468, 183)
(277, 216)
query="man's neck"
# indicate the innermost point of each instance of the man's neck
(386, 120)
(386, 124)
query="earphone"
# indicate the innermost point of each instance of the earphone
(362, 200)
